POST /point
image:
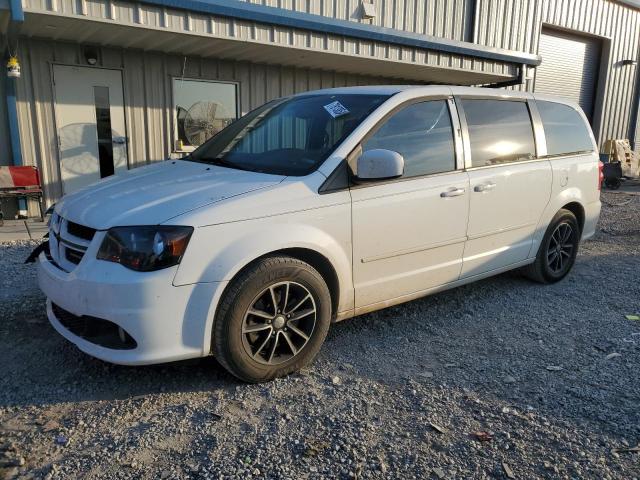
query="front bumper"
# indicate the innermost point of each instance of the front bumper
(167, 322)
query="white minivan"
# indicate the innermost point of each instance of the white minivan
(316, 208)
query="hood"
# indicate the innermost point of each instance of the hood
(153, 194)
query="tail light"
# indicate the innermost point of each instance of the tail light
(600, 174)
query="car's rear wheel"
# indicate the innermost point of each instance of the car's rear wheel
(272, 320)
(558, 250)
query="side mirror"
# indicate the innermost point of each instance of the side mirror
(379, 164)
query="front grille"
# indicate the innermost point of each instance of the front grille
(80, 231)
(68, 242)
(95, 330)
(74, 256)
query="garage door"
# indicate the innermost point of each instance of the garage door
(570, 67)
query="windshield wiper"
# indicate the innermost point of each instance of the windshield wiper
(220, 161)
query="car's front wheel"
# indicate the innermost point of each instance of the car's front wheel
(272, 319)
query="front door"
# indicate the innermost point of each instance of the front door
(509, 186)
(89, 109)
(409, 233)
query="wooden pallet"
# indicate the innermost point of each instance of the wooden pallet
(620, 151)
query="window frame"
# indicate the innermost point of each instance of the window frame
(536, 128)
(457, 142)
(174, 121)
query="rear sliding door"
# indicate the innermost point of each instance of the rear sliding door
(509, 185)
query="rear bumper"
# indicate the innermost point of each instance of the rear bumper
(167, 323)
(591, 217)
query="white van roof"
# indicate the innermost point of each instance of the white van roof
(425, 89)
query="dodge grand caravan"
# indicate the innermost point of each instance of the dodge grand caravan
(315, 208)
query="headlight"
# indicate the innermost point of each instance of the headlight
(145, 249)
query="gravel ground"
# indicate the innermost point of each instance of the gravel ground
(500, 379)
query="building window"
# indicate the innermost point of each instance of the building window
(202, 109)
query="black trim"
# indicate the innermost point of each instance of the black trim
(339, 180)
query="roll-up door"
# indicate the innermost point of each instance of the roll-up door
(570, 67)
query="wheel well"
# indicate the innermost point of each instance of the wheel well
(317, 261)
(578, 211)
(322, 265)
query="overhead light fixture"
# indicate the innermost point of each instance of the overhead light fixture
(368, 11)
(91, 55)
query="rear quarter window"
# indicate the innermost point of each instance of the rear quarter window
(564, 129)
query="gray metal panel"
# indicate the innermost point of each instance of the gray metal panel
(617, 23)
(570, 67)
(451, 19)
(110, 22)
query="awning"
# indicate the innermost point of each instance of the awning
(245, 31)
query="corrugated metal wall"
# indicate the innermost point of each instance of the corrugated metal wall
(148, 96)
(451, 19)
(517, 24)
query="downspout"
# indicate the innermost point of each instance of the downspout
(15, 23)
(635, 110)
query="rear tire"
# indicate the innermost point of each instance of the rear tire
(558, 249)
(272, 319)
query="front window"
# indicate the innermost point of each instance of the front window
(422, 133)
(290, 136)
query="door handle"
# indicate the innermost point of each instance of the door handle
(452, 192)
(119, 140)
(484, 187)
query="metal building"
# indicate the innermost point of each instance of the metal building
(107, 85)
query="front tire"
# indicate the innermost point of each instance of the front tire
(558, 250)
(272, 319)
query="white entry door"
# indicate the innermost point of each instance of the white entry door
(89, 109)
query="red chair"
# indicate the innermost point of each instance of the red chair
(21, 182)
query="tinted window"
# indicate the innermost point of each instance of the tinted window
(564, 129)
(422, 134)
(500, 131)
(291, 136)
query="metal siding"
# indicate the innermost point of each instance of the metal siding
(570, 67)
(618, 24)
(164, 19)
(450, 19)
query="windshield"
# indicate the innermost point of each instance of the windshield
(290, 136)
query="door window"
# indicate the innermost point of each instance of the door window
(499, 131)
(422, 133)
(565, 130)
(103, 125)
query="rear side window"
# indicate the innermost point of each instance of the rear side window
(500, 131)
(564, 129)
(422, 134)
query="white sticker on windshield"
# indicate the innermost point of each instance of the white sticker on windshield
(336, 109)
